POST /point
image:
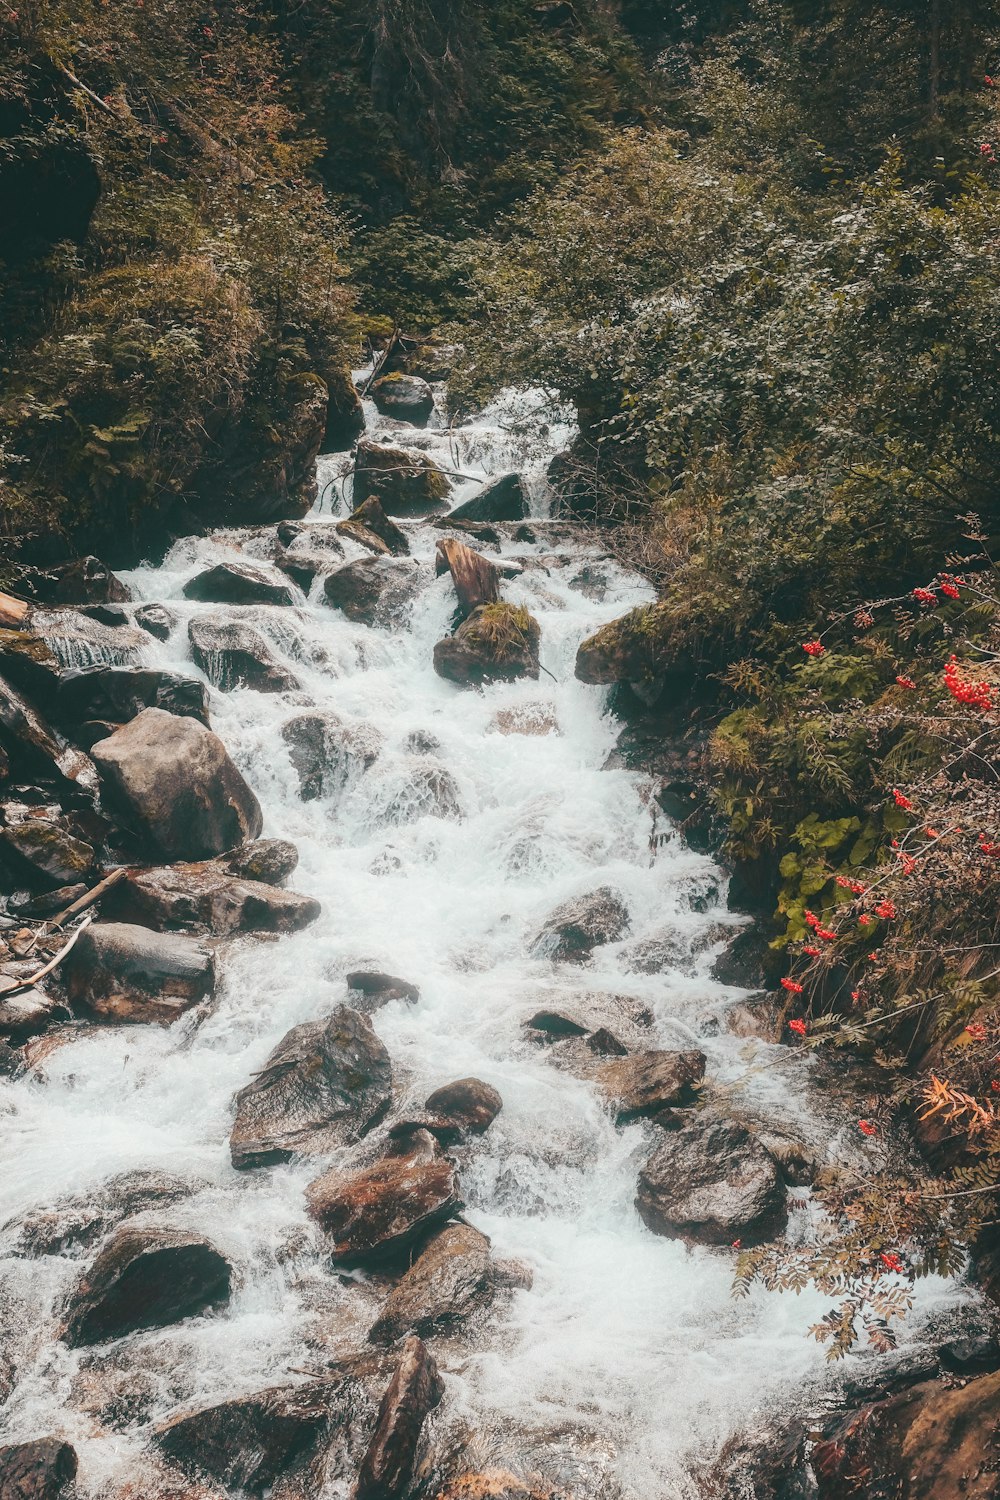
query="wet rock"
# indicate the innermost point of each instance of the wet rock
(549, 1024)
(647, 1082)
(326, 752)
(469, 1104)
(205, 897)
(325, 1084)
(371, 589)
(372, 528)
(525, 718)
(503, 499)
(249, 1442)
(747, 961)
(237, 583)
(497, 643)
(310, 553)
(122, 972)
(157, 619)
(11, 1066)
(32, 747)
(712, 1182)
(83, 1220)
(379, 1212)
(232, 654)
(27, 661)
(606, 1044)
(931, 1442)
(579, 926)
(39, 1470)
(429, 790)
(80, 639)
(45, 854)
(378, 989)
(414, 1391)
(25, 1014)
(753, 1018)
(117, 694)
(345, 417)
(86, 580)
(175, 781)
(447, 1282)
(267, 860)
(403, 480)
(145, 1278)
(406, 398)
(630, 649)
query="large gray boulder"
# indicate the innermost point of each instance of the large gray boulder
(237, 583)
(145, 1278)
(712, 1182)
(175, 782)
(406, 398)
(121, 972)
(323, 1086)
(372, 590)
(503, 499)
(326, 753)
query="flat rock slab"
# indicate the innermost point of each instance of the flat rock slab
(204, 897)
(40, 1470)
(237, 583)
(414, 1391)
(249, 1442)
(145, 1278)
(712, 1182)
(449, 1280)
(175, 781)
(123, 972)
(323, 1086)
(379, 1212)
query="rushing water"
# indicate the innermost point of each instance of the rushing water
(628, 1364)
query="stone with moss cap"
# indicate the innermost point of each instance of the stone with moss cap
(403, 480)
(497, 643)
(407, 398)
(629, 649)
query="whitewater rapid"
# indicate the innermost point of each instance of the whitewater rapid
(628, 1365)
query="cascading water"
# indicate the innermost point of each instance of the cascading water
(627, 1365)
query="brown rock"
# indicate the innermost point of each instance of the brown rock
(647, 1082)
(372, 528)
(204, 897)
(379, 989)
(414, 1391)
(371, 590)
(87, 1218)
(177, 784)
(403, 480)
(123, 972)
(145, 1278)
(32, 747)
(39, 1470)
(46, 854)
(712, 1182)
(323, 1086)
(267, 860)
(375, 1214)
(470, 1104)
(237, 583)
(448, 1281)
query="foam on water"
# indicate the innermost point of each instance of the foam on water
(628, 1364)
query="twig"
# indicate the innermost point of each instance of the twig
(95, 894)
(53, 963)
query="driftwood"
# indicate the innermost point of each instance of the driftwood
(13, 612)
(53, 963)
(88, 899)
(476, 579)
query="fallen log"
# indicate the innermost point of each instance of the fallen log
(13, 612)
(476, 579)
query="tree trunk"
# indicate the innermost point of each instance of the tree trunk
(475, 578)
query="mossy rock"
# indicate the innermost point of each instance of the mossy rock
(497, 643)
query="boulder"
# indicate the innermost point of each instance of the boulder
(86, 638)
(575, 929)
(497, 643)
(934, 1441)
(555, 1025)
(712, 1182)
(403, 480)
(85, 580)
(324, 1085)
(646, 1082)
(32, 748)
(159, 621)
(205, 897)
(309, 553)
(237, 583)
(345, 417)
(84, 1219)
(606, 1044)
(406, 398)
(249, 1442)
(49, 902)
(232, 654)
(176, 783)
(326, 752)
(119, 693)
(492, 1484)
(26, 1013)
(378, 989)
(121, 972)
(27, 661)
(414, 1391)
(370, 527)
(145, 1278)
(372, 589)
(46, 854)
(503, 499)
(469, 1104)
(476, 579)
(379, 1212)
(630, 649)
(447, 1282)
(39, 1470)
(267, 860)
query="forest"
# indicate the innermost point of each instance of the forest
(753, 247)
